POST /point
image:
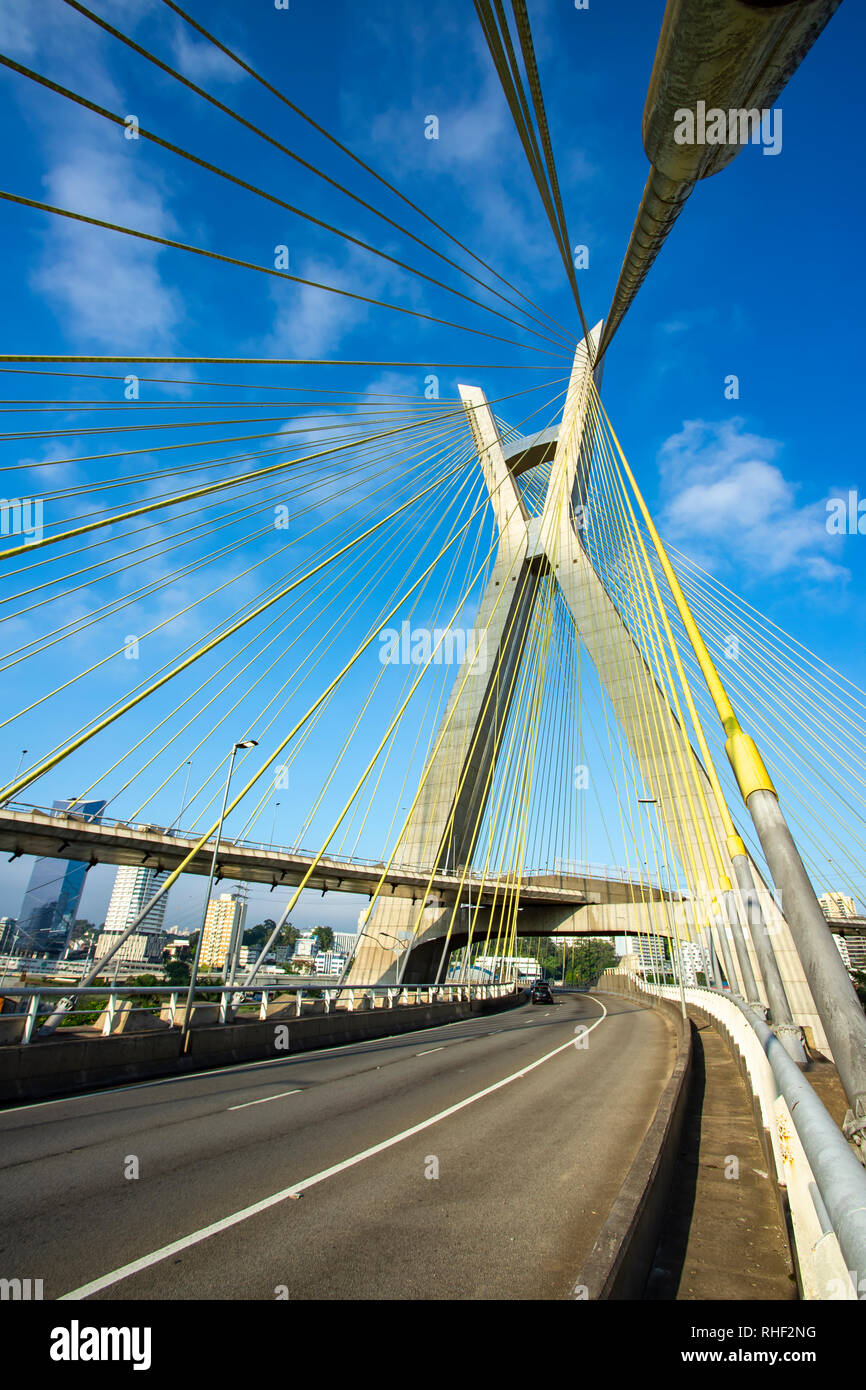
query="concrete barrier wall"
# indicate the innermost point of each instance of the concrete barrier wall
(814, 1243)
(58, 1067)
(619, 1263)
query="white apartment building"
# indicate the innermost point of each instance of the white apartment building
(306, 947)
(134, 886)
(652, 952)
(507, 967)
(330, 963)
(694, 962)
(144, 948)
(842, 946)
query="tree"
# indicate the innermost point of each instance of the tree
(589, 959)
(258, 935)
(324, 937)
(177, 972)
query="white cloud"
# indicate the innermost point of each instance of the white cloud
(725, 499)
(107, 288)
(201, 61)
(17, 29)
(478, 162)
(311, 322)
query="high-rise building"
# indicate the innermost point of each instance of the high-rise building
(7, 933)
(856, 943)
(842, 947)
(223, 913)
(306, 947)
(134, 886)
(838, 905)
(653, 952)
(50, 904)
(694, 962)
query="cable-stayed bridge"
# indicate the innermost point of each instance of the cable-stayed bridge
(445, 636)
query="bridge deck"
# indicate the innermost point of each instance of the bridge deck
(74, 837)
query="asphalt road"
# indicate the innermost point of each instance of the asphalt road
(537, 1136)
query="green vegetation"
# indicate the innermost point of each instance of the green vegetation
(177, 972)
(587, 959)
(258, 935)
(584, 960)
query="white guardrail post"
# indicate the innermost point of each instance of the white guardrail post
(116, 999)
(32, 1014)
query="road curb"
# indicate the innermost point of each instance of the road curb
(619, 1263)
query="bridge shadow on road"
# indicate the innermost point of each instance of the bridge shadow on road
(669, 1261)
(723, 1232)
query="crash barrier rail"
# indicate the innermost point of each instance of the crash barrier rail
(124, 1007)
(816, 1168)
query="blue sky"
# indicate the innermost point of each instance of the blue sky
(759, 278)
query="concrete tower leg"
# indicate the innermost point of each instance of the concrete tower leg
(399, 938)
(670, 766)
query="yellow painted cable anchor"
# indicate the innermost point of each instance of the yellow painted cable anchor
(747, 764)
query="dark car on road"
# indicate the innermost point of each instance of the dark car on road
(541, 993)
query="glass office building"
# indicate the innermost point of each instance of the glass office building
(50, 904)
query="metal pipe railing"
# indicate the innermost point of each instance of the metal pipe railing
(841, 1178)
(328, 992)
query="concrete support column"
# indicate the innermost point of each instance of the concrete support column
(781, 1018)
(747, 974)
(725, 944)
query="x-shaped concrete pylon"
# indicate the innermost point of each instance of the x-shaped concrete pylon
(447, 814)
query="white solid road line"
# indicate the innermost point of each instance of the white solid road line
(427, 1052)
(166, 1251)
(264, 1100)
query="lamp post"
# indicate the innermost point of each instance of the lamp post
(652, 801)
(183, 802)
(245, 743)
(274, 821)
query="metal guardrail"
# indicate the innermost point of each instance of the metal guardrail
(824, 1181)
(21, 1027)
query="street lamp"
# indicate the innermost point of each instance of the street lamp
(245, 743)
(274, 821)
(183, 801)
(652, 801)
